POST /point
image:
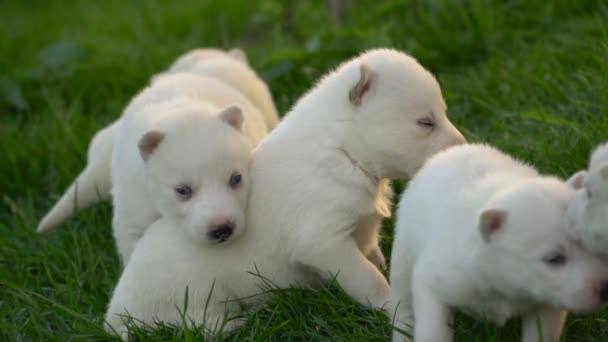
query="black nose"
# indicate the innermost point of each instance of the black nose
(603, 292)
(220, 233)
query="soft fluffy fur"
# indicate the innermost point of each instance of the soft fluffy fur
(479, 231)
(231, 68)
(197, 151)
(320, 179)
(588, 211)
(319, 191)
(166, 262)
(94, 183)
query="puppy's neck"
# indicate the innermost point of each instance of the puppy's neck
(374, 179)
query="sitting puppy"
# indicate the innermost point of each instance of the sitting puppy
(94, 183)
(319, 193)
(479, 231)
(588, 211)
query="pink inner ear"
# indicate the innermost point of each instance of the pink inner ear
(491, 221)
(234, 122)
(233, 116)
(149, 142)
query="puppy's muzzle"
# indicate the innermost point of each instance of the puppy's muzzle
(220, 233)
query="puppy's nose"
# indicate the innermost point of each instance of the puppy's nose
(603, 292)
(221, 232)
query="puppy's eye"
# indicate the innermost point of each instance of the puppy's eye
(555, 259)
(426, 122)
(183, 191)
(235, 180)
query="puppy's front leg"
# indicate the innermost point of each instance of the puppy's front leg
(433, 318)
(342, 258)
(545, 326)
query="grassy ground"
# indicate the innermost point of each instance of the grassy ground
(528, 76)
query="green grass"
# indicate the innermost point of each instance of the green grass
(528, 76)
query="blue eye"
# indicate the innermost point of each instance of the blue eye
(183, 191)
(555, 259)
(235, 180)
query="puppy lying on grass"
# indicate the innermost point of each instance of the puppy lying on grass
(479, 231)
(588, 211)
(192, 161)
(319, 191)
(94, 182)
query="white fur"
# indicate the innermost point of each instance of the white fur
(94, 183)
(186, 61)
(319, 191)
(197, 151)
(320, 184)
(444, 259)
(233, 71)
(588, 211)
(164, 263)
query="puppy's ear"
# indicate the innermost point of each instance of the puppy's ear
(490, 221)
(233, 115)
(149, 142)
(358, 90)
(577, 180)
(239, 55)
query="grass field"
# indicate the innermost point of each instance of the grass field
(528, 76)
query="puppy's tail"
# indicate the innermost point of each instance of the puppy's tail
(92, 185)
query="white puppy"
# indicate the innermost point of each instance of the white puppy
(318, 194)
(94, 184)
(479, 231)
(192, 176)
(320, 180)
(588, 211)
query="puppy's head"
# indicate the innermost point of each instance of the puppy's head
(587, 212)
(398, 111)
(197, 171)
(529, 254)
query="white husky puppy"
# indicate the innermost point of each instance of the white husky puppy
(588, 211)
(195, 172)
(479, 231)
(94, 184)
(319, 192)
(320, 180)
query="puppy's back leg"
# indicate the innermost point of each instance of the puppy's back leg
(91, 186)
